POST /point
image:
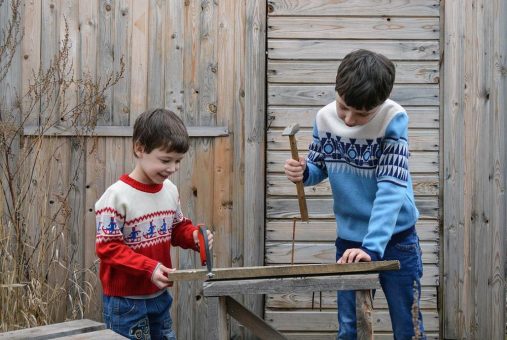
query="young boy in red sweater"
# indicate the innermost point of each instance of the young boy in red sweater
(138, 219)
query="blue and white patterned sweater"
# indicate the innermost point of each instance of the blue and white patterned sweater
(367, 167)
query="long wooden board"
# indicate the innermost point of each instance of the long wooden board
(284, 271)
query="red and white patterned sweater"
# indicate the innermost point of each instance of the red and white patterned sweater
(136, 225)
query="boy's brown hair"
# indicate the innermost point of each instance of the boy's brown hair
(160, 128)
(365, 79)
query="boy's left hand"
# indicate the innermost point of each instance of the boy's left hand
(195, 234)
(354, 255)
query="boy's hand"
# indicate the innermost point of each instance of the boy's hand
(354, 255)
(294, 169)
(160, 276)
(195, 234)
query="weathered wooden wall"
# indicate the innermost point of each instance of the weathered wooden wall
(474, 169)
(306, 41)
(202, 59)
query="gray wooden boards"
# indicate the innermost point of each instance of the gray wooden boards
(58, 330)
(285, 271)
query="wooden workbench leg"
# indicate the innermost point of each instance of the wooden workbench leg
(217, 318)
(364, 307)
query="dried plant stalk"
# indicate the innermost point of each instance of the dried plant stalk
(39, 275)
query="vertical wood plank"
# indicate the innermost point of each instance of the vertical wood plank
(474, 176)
(95, 186)
(31, 49)
(105, 55)
(122, 27)
(217, 318)
(139, 58)
(255, 70)
(174, 38)
(364, 310)
(498, 107)
(156, 53)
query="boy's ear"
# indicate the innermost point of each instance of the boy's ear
(138, 149)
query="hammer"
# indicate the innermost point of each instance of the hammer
(291, 131)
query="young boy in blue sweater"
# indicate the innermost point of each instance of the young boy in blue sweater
(360, 143)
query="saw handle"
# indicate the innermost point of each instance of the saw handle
(203, 241)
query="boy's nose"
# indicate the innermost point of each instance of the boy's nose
(349, 120)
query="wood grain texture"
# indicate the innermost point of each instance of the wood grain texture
(406, 28)
(324, 71)
(474, 170)
(337, 49)
(353, 7)
(284, 271)
(291, 285)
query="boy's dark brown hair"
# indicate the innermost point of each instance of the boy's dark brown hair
(365, 79)
(160, 128)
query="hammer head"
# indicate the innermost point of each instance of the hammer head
(291, 130)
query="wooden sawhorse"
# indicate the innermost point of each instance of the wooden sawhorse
(220, 303)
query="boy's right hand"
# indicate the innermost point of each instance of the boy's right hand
(294, 169)
(160, 276)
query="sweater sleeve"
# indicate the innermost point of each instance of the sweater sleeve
(315, 171)
(392, 178)
(182, 230)
(110, 246)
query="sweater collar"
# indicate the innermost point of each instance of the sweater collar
(150, 188)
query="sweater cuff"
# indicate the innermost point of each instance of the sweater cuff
(154, 270)
(306, 173)
(373, 255)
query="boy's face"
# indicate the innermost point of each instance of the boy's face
(156, 166)
(352, 116)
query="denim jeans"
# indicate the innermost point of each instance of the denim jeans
(139, 318)
(400, 288)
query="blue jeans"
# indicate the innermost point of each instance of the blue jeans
(139, 318)
(399, 287)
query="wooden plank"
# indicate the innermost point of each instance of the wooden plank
(312, 252)
(279, 185)
(419, 139)
(303, 300)
(102, 334)
(105, 55)
(309, 321)
(323, 207)
(121, 131)
(332, 335)
(426, 117)
(402, 28)
(419, 162)
(95, 186)
(173, 63)
(31, 51)
(258, 326)
(291, 285)
(289, 95)
(363, 315)
(324, 71)
(284, 271)
(254, 139)
(217, 318)
(54, 330)
(139, 59)
(325, 230)
(337, 49)
(157, 30)
(122, 48)
(353, 7)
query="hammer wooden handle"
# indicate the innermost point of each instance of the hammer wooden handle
(299, 185)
